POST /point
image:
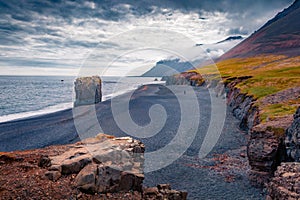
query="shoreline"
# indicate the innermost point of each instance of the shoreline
(218, 175)
(62, 106)
(22, 127)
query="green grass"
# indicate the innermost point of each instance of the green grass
(261, 91)
(269, 75)
(273, 111)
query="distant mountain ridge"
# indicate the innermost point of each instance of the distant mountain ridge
(167, 68)
(280, 36)
(238, 37)
(283, 13)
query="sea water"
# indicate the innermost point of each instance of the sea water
(27, 96)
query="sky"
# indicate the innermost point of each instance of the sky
(121, 37)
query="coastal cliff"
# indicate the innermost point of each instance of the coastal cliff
(285, 184)
(184, 78)
(266, 146)
(260, 77)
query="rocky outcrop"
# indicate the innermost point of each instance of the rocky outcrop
(88, 90)
(163, 191)
(102, 164)
(80, 171)
(286, 182)
(292, 139)
(185, 78)
(265, 152)
(101, 178)
(175, 80)
(242, 105)
(243, 108)
(266, 148)
(106, 165)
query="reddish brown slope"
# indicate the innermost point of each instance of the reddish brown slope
(281, 36)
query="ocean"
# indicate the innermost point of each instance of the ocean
(28, 96)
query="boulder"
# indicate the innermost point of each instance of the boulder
(44, 161)
(87, 90)
(107, 165)
(292, 139)
(53, 175)
(163, 191)
(86, 179)
(74, 165)
(286, 182)
(102, 164)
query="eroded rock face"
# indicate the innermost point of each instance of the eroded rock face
(243, 108)
(286, 182)
(266, 148)
(265, 152)
(88, 90)
(292, 139)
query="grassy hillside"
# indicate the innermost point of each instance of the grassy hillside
(272, 76)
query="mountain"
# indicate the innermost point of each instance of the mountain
(231, 38)
(280, 36)
(168, 67)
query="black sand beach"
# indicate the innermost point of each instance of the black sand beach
(197, 177)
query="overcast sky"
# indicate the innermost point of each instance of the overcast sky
(118, 37)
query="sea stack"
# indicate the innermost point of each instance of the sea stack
(87, 90)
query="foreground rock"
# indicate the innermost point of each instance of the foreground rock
(102, 164)
(88, 90)
(286, 183)
(103, 167)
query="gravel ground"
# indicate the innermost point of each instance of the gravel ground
(221, 175)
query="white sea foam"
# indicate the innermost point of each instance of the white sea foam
(47, 110)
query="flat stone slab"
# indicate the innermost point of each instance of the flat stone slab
(102, 164)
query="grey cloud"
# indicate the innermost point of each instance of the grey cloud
(10, 40)
(238, 31)
(17, 61)
(74, 43)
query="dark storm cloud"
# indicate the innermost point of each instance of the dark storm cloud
(69, 9)
(208, 5)
(24, 11)
(41, 25)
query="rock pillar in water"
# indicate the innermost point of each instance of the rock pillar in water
(87, 90)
